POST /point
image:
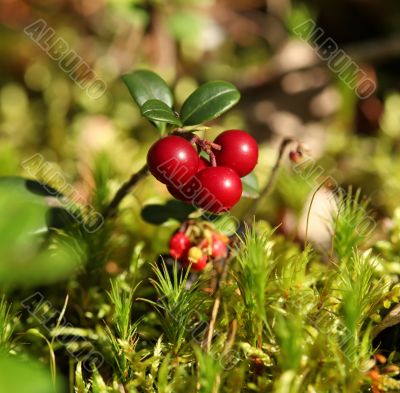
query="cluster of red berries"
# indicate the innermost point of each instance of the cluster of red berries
(196, 251)
(213, 185)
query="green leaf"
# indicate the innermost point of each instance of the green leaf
(145, 85)
(226, 223)
(250, 185)
(32, 192)
(157, 110)
(209, 101)
(24, 258)
(159, 214)
(21, 375)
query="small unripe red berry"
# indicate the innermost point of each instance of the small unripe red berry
(178, 245)
(196, 258)
(200, 264)
(295, 156)
(218, 248)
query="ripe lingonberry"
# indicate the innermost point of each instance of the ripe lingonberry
(218, 248)
(178, 245)
(191, 187)
(239, 151)
(172, 160)
(221, 188)
(203, 163)
(177, 194)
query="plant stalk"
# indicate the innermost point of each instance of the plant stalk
(123, 191)
(268, 187)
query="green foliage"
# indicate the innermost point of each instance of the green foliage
(286, 322)
(361, 295)
(351, 223)
(209, 372)
(27, 257)
(123, 335)
(171, 210)
(21, 375)
(209, 101)
(6, 325)
(154, 98)
(159, 111)
(145, 85)
(250, 185)
(290, 335)
(177, 306)
(256, 265)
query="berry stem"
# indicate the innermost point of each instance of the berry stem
(206, 146)
(123, 191)
(194, 140)
(268, 187)
(212, 158)
(214, 146)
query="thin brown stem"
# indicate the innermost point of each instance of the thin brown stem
(212, 159)
(309, 210)
(268, 187)
(231, 338)
(194, 139)
(217, 303)
(123, 191)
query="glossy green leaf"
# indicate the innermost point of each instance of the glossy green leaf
(171, 210)
(209, 101)
(145, 85)
(157, 110)
(250, 185)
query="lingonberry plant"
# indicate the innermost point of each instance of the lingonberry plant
(212, 176)
(175, 160)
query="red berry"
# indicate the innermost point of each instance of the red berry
(221, 188)
(196, 258)
(200, 264)
(203, 163)
(239, 151)
(172, 160)
(295, 156)
(218, 248)
(178, 245)
(186, 191)
(177, 194)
